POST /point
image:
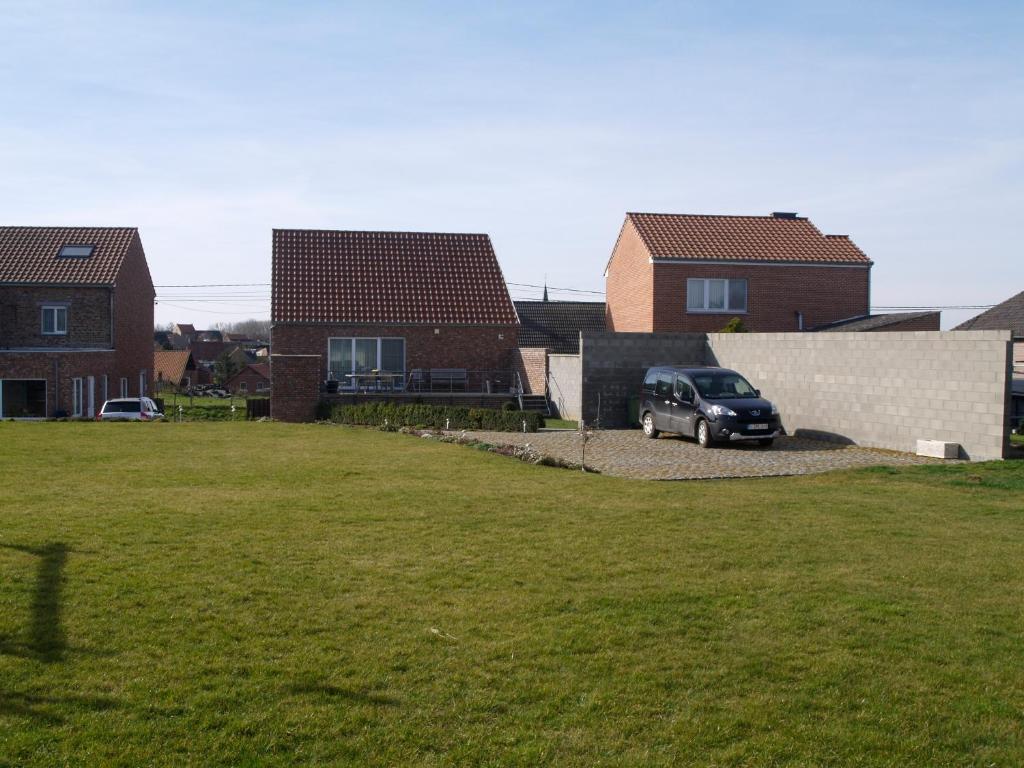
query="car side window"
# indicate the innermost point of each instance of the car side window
(684, 392)
(664, 385)
(650, 380)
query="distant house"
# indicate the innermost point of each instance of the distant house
(681, 272)
(1006, 316)
(76, 319)
(552, 328)
(175, 369)
(429, 310)
(895, 321)
(253, 379)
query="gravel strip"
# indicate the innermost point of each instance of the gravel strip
(627, 453)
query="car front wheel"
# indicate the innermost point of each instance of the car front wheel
(648, 423)
(703, 434)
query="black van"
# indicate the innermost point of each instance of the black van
(710, 404)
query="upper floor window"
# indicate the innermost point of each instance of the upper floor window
(55, 320)
(716, 295)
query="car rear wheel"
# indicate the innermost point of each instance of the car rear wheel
(766, 441)
(703, 434)
(648, 424)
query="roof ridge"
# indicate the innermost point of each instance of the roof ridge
(381, 232)
(768, 216)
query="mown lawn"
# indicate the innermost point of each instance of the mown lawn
(268, 594)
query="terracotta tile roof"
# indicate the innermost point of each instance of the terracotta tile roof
(557, 324)
(29, 254)
(742, 238)
(171, 364)
(387, 277)
(1008, 315)
(875, 322)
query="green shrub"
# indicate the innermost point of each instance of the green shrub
(430, 416)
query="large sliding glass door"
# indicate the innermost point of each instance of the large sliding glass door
(349, 357)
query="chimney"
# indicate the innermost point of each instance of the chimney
(783, 215)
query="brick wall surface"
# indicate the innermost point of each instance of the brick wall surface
(532, 365)
(565, 375)
(884, 390)
(296, 386)
(252, 380)
(58, 369)
(473, 347)
(1018, 352)
(21, 317)
(133, 320)
(613, 366)
(629, 284)
(774, 296)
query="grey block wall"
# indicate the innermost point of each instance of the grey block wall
(564, 384)
(883, 390)
(613, 366)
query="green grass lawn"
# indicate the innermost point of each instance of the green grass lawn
(1017, 439)
(271, 594)
(551, 423)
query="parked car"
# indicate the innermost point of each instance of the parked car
(129, 409)
(709, 404)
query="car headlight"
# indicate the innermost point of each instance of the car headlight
(721, 410)
(775, 410)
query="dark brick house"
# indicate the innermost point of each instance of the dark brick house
(680, 272)
(76, 319)
(1007, 315)
(345, 304)
(253, 379)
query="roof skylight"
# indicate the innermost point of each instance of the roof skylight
(75, 251)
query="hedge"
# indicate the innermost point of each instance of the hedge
(434, 416)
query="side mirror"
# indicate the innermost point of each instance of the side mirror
(757, 393)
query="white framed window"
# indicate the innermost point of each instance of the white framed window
(76, 397)
(262, 386)
(243, 387)
(55, 320)
(716, 295)
(350, 355)
(124, 386)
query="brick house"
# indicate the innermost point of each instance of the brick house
(887, 323)
(253, 379)
(76, 319)
(692, 273)
(346, 304)
(551, 328)
(174, 369)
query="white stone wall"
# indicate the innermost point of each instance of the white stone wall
(565, 376)
(884, 390)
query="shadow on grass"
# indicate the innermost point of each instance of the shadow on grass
(46, 640)
(327, 691)
(41, 708)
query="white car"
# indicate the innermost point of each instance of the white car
(129, 409)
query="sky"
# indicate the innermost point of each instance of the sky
(208, 124)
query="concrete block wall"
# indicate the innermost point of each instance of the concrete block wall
(613, 365)
(564, 384)
(883, 390)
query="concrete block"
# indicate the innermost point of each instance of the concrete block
(938, 449)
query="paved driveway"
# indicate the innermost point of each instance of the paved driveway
(627, 453)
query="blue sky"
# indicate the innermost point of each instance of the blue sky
(207, 124)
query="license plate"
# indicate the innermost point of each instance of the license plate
(758, 426)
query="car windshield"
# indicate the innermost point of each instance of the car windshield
(122, 406)
(722, 386)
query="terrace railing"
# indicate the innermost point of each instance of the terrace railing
(425, 381)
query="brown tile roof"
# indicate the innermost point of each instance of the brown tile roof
(1008, 315)
(742, 238)
(557, 324)
(387, 277)
(29, 254)
(171, 364)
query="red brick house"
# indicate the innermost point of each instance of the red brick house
(681, 272)
(253, 379)
(175, 369)
(348, 304)
(76, 319)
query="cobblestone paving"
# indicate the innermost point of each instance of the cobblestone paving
(627, 453)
